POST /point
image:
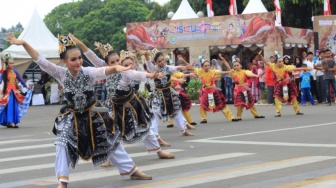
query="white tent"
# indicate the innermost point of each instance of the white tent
(184, 11)
(40, 38)
(254, 6)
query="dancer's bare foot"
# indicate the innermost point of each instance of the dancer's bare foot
(138, 175)
(165, 155)
(106, 164)
(189, 126)
(186, 133)
(163, 143)
(62, 185)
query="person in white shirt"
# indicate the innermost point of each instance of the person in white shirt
(310, 64)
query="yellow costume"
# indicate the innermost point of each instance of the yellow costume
(210, 98)
(283, 80)
(185, 101)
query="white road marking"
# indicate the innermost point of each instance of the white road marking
(89, 175)
(233, 173)
(326, 184)
(270, 131)
(265, 143)
(52, 165)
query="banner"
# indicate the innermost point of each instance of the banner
(214, 31)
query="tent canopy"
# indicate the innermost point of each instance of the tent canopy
(254, 6)
(40, 38)
(184, 11)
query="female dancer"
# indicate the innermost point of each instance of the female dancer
(242, 94)
(166, 103)
(81, 131)
(131, 113)
(210, 98)
(9, 104)
(177, 79)
(283, 88)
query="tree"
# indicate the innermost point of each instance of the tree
(107, 24)
(87, 6)
(158, 12)
(297, 13)
(64, 18)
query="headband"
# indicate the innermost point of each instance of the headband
(104, 49)
(126, 54)
(63, 42)
(153, 52)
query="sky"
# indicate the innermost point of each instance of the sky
(21, 10)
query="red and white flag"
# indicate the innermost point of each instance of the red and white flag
(233, 7)
(209, 8)
(277, 13)
(327, 10)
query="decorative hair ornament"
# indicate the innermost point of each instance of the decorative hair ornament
(234, 57)
(153, 52)
(8, 58)
(277, 55)
(201, 58)
(167, 57)
(63, 42)
(104, 49)
(126, 54)
(286, 56)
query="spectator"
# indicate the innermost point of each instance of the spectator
(310, 64)
(254, 81)
(60, 93)
(319, 77)
(261, 74)
(296, 74)
(47, 87)
(43, 80)
(29, 84)
(328, 65)
(304, 56)
(305, 86)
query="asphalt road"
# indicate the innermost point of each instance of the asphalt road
(287, 151)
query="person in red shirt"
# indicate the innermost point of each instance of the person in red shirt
(270, 79)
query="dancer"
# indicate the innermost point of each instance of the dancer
(166, 103)
(9, 104)
(242, 93)
(210, 98)
(284, 89)
(177, 79)
(94, 140)
(131, 113)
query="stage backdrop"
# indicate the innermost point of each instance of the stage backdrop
(326, 28)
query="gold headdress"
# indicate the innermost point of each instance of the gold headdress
(63, 42)
(153, 52)
(125, 54)
(104, 49)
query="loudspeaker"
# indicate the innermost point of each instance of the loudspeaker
(316, 41)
